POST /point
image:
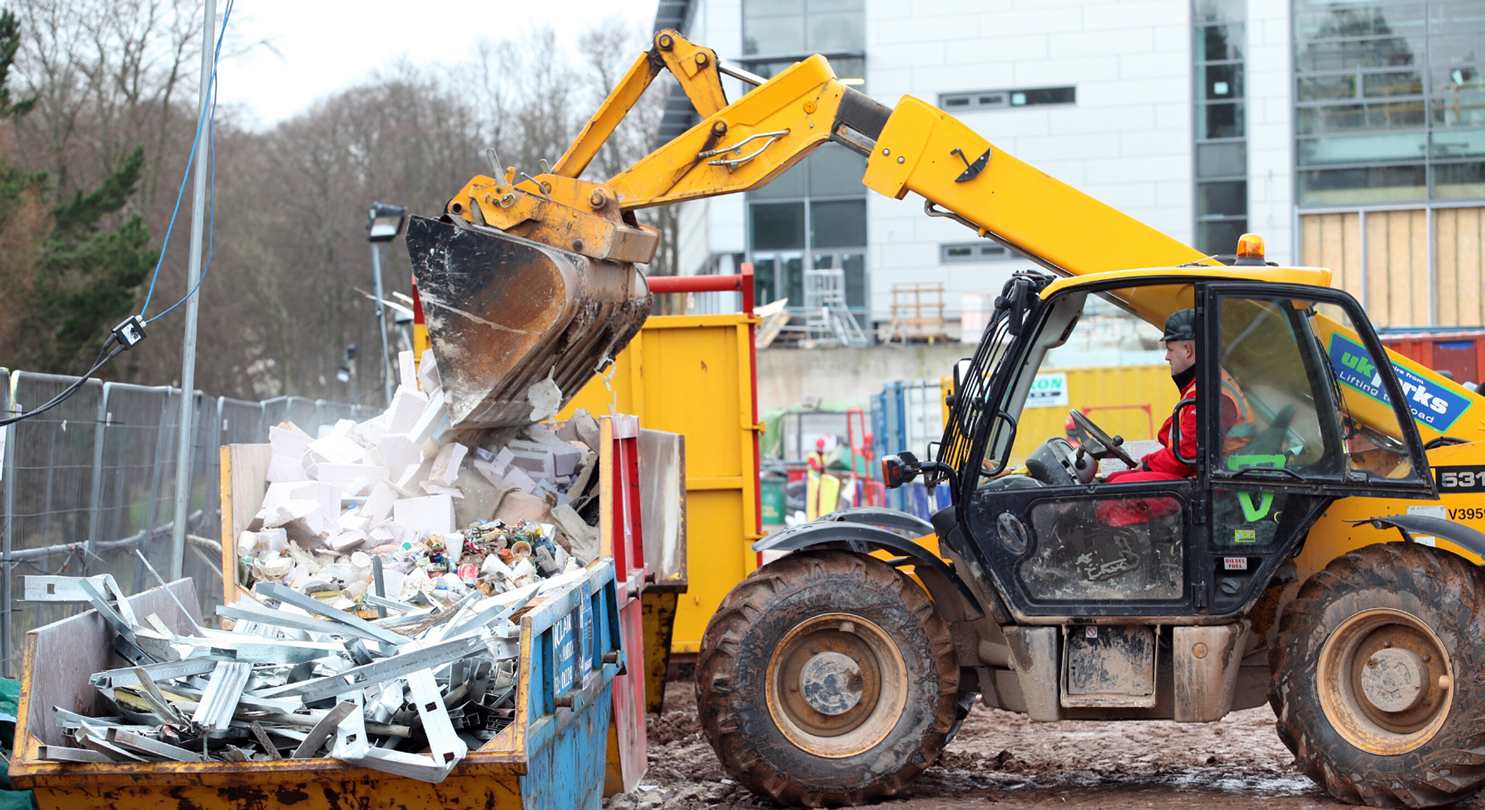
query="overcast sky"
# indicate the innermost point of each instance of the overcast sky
(322, 46)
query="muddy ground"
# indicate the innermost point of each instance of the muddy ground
(1002, 758)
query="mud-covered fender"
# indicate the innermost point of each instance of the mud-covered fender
(860, 530)
(1410, 525)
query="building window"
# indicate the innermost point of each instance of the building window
(1389, 101)
(789, 27)
(1221, 124)
(1007, 99)
(811, 217)
(985, 251)
(779, 33)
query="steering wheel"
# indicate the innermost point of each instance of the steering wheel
(1097, 434)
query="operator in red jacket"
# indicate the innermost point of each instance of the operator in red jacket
(1165, 464)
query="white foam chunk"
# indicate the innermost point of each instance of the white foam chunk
(336, 450)
(407, 371)
(407, 405)
(348, 476)
(432, 513)
(446, 464)
(428, 378)
(378, 504)
(433, 421)
(398, 452)
(515, 477)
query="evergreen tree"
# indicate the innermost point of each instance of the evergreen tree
(70, 274)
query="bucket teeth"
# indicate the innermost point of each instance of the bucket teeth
(504, 313)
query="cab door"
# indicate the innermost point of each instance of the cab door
(1307, 418)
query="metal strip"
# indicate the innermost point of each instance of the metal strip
(168, 592)
(350, 735)
(318, 608)
(219, 701)
(263, 651)
(58, 753)
(124, 627)
(148, 745)
(443, 742)
(151, 693)
(384, 670)
(112, 752)
(322, 730)
(169, 670)
(244, 610)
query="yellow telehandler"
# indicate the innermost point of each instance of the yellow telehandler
(839, 672)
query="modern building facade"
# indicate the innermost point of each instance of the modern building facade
(1349, 134)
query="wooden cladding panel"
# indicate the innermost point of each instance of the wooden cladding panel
(1460, 265)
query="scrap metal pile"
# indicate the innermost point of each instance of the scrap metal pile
(410, 694)
(376, 634)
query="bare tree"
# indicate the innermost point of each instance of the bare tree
(108, 76)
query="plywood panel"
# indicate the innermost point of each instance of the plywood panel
(1310, 240)
(1332, 248)
(1446, 266)
(1351, 240)
(1399, 256)
(1419, 283)
(1378, 288)
(1469, 230)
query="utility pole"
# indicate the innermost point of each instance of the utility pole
(193, 300)
(377, 249)
(383, 223)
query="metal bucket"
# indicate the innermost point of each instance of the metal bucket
(505, 313)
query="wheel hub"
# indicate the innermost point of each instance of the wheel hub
(1385, 681)
(836, 685)
(1393, 679)
(831, 683)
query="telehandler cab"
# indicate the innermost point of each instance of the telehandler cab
(839, 672)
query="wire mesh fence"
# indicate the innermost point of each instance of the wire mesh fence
(87, 483)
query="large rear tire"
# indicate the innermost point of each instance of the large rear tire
(827, 678)
(1377, 677)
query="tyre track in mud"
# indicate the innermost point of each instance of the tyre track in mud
(1004, 759)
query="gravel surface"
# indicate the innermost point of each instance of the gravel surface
(1002, 758)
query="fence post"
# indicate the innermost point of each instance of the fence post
(95, 501)
(7, 473)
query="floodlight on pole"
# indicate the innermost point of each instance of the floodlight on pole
(383, 224)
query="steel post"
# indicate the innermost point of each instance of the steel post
(381, 321)
(193, 299)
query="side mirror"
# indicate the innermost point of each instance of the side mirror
(899, 469)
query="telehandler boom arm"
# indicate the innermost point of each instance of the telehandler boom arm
(913, 147)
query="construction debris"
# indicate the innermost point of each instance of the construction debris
(409, 694)
(440, 517)
(378, 632)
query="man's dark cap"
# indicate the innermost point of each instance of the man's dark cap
(1180, 326)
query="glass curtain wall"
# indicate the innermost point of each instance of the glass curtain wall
(814, 215)
(1390, 103)
(1221, 124)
